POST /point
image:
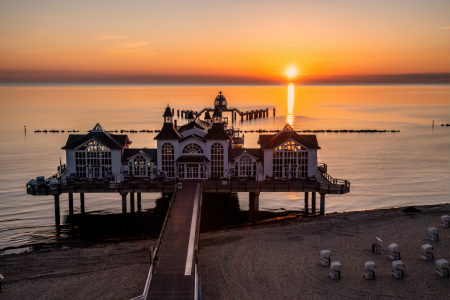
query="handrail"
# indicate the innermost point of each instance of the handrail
(164, 227)
(57, 175)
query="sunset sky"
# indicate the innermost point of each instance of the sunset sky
(229, 41)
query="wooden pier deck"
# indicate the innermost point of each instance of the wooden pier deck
(175, 271)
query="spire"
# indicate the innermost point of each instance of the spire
(168, 115)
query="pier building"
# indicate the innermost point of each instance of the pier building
(204, 155)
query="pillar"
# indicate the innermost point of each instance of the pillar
(82, 202)
(57, 215)
(173, 111)
(267, 112)
(132, 203)
(322, 204)
(178, 112)
(175, 123)
(139, 206)
(242, 117)
(124, 203)
(253, 206)
(306, 203)
(70, 203)
(274, 112)
(313, 203)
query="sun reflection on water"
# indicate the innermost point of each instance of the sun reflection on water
(290, 105)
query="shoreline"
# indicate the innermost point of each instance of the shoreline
(269, 260)
(292, 215)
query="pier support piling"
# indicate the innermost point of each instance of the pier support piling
(313, 203)
(124, 202)
(132, 203)
(139, 206)
(306, 203)
(274, 112)
(322, 204)
(57, 214)
(71, 204)
(253, 206)
(82, 202)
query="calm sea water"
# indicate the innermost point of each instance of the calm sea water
(385, 169)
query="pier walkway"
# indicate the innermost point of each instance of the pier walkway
(175, 274)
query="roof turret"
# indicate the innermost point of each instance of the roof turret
(168, 112)
(220, 101)
(217, 112)
(207, 116)
(191, 115)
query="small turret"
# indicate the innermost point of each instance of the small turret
(207, 117)
(220, 102)
(217, 115)
(168, 116)
(190, 117)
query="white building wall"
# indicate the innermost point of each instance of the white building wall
(70, 160)
(268, 162)
(312, 162)
(116, 161)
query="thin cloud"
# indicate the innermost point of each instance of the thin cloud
(135, 45)
(112, 37)
(445, 27)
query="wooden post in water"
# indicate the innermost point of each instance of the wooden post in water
(139, 206)
(313, 203)
(132, 203)
(57, 215)
(306, 203)
(71, 204)
(124, 202)
(82, 202)
(253, 206)
(322, 204)
(274, 112)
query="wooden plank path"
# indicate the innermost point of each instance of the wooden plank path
(175, 274)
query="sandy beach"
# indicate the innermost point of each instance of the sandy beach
(273, 260)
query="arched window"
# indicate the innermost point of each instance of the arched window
(168, 159)
(246, 166)
(217, 160)
(192, 148)
(92, 159)
(290, 159)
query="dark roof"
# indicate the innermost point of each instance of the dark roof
(217, 112)
(216, 133)
(191, 125)
(235, 152)
(112, 141)
(127, 153)
(192, 136)
(168, 112)
(274, 140)
(207, 116)
(192, 158)
(168, 132)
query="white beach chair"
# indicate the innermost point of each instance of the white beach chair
(325, 256)
(445, 221)
(394, 253)
(335, 270)
(376, 248)
(426, 252)
(369, 272)
(442, 267)
(397, 269)
(432, 234)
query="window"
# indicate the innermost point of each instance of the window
(168, 159)
(217, 160)
(290, 154)
(246, 167)
(92, 159)
(192, 149)
(139, 166)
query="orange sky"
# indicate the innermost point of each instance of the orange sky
(254, 39)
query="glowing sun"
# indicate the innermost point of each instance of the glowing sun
(291, 72)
